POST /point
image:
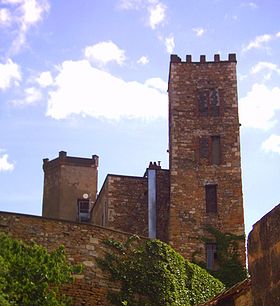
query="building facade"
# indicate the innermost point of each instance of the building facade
(204, 150)
(201, 187)
(70, 187)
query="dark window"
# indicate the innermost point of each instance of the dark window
(211, 198)
(203, 97)
(209, 147)
(211, 256)
(209, 102)
(83, 210)
(215, 150)
(214, 106)
(204, 147)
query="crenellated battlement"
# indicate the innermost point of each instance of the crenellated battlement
(176, 59)
(64, 159)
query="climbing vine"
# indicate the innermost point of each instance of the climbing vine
(152, 273)
(230, 269)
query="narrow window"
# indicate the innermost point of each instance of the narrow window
(211, 256)
(211, 198)
(203, 97)
(209, 147)
(83, 210)
(215, 150)
(214, 106)
(204, 147)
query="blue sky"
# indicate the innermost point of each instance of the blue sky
(90, 77)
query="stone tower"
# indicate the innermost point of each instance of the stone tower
(70, 187)
(204, 147)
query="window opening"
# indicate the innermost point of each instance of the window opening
(211, 198)
(215, 150)
(211, 256)
(209, 102)
(83, 210)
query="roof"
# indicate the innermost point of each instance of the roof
(235, 291)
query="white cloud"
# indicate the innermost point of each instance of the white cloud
(9, 74)
(45, 79)
(130, 4)
(268, 67)
(5, 17)
(272, 144)
(199, 31)
(156, 10)
(84, 90)
(31, 96)
(105, 52)
(169, 43)
(23, 14)
(252, 5)
(258, 43)
(258, 108)
(143, 60)
(157, 83)
(5, 165)
(157, 14)
(260, 66)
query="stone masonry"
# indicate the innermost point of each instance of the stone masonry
(202, 185)
(204, 152)
(83, 245)
(66, 180)
(122, 204)
(264, 259)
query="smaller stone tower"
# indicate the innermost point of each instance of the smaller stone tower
(70, 187)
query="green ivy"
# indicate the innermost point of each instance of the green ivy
(230, 270)
(30, 275)
(152, 273)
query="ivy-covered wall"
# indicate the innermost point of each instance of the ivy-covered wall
(83, 244)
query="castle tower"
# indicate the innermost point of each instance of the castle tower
(204, 147)
(70, 187)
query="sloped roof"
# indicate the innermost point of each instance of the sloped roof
(235, 291)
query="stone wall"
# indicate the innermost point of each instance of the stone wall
(83, 244)
(264, 259)
(67, 179)
(162, 204)
(191, 165)
(122, 204)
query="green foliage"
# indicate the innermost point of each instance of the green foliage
(202, 285)
(152, 273)
(230, 269)
(30, 275)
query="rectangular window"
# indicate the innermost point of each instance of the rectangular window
(215, 150)
(214, 107)
(211, 256)
(204, 147)
(83, 210)
(209, 147)
(203, 96)
(211, 198)
(209, 102)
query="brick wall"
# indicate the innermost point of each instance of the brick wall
(264, 259)
(123, 203)
(189, 174)
(66, 179)
(162, 203)
(83, 244)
